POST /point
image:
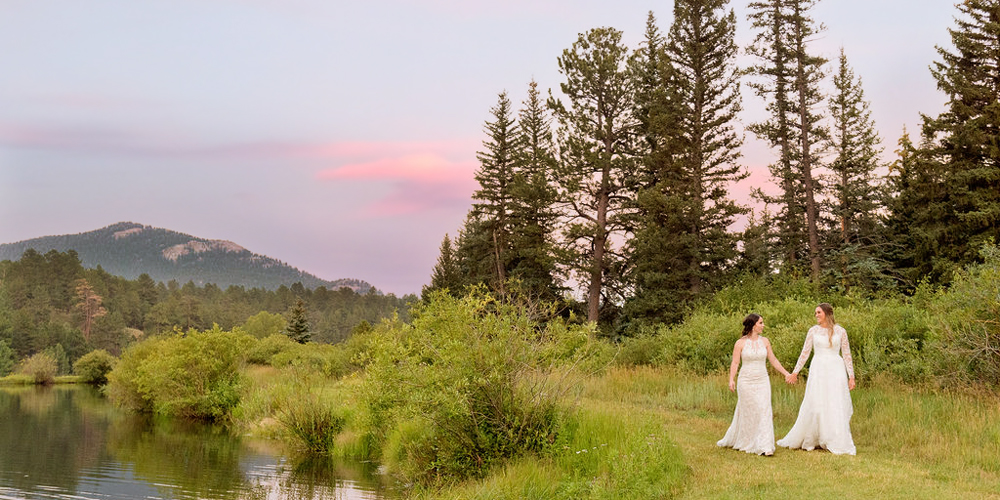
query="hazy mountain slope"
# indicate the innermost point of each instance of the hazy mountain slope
(128, 249)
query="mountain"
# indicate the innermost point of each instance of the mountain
(128, 249)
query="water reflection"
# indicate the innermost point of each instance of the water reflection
(68, 442)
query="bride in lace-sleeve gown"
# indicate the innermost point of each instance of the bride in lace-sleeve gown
(752, 429)
(824, 419)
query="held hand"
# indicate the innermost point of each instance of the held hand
(791, 378)
(850, 384)
(732, 385)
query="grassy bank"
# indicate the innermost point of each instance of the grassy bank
(650, 433)
(911, 445)
(485, 397)
(24, 379)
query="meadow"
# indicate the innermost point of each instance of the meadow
(486, 397)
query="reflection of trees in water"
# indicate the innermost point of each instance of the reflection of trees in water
(50, 436)
(186, 459)
(313, 477)
(46, 440)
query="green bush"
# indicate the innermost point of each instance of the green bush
(264, 324)
(193, 374)
(264, 350)
(966, 324)
(41, 367)
(459, 389)
(93, 367)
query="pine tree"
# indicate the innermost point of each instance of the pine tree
(808, 75)
(854, 204)
(532, 198)
(966, 136)
(89, 304)
(493, 199)
(917, 212)
(792, 75)
(771, 47)
(596, 142)
(682, 245)
(446, 274)
(298, 323)
(474, 250)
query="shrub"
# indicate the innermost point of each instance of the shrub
(264, 350)
(93, 367)
(264, 324)
(193, 374)
(42, 367)
(966, 325)
(458, 390)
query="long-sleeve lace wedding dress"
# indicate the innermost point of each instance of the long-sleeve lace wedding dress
(824, 419)
(752, 429)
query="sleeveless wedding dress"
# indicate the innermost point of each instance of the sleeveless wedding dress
(824, 419)
(752, 429)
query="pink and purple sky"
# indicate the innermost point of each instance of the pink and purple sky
(339, 137)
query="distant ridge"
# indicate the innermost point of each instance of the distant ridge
(129, 249)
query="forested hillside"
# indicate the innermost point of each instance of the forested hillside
(128, 249)
(621, 186)
(53, 303)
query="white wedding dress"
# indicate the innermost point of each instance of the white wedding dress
(824, 419)
(752, 429)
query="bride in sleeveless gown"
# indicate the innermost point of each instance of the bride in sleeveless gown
(752, 429)
(824, 419)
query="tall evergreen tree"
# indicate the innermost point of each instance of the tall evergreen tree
(89, 305)
(298, 323)
(792, 75)
(915, 212)
(966, 136)
(682, 244)
(855, 201)
(533, 196)
(492, 205)
(808, 75)
(596, 142)
(446, 274)
(771, 47)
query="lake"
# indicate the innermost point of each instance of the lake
(69, 442)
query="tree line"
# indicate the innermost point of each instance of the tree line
(621, 186)
(51, 303)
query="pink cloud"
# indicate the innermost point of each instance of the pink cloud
(421, 182)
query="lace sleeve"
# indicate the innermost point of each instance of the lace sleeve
(806, 349)
(845, 352)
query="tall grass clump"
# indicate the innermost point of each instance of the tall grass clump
(192, 374)
(310, 419)
(41, 367)
(459, 390)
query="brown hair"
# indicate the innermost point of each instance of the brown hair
(828, 311)
(749, 322)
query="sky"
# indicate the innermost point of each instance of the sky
(339, 137)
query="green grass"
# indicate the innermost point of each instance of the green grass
(650, 433)
(911, 444)
(25, 379)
